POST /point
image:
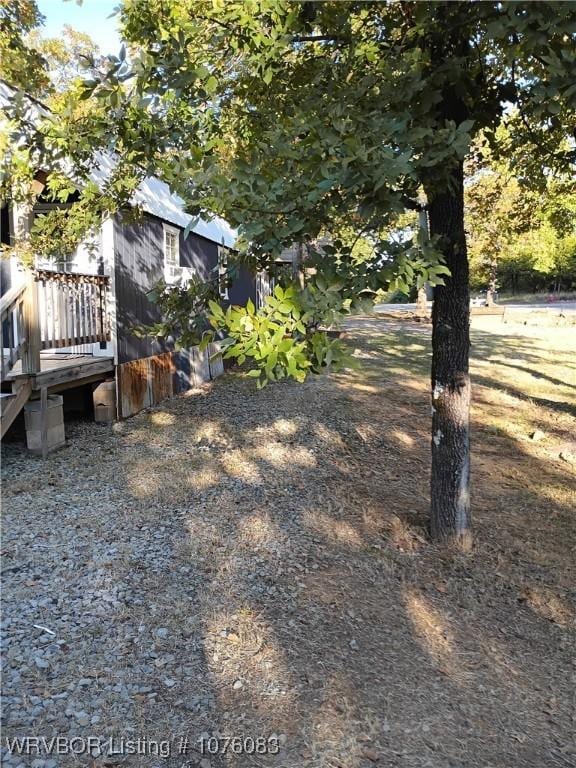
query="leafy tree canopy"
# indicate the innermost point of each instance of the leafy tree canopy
(68, 58)
(519, 235)
(21, 64)
(286, 117)
(293, 120)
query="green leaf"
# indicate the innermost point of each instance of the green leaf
(211, 85)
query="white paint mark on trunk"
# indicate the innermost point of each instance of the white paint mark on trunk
(438, 389)
(437, 437)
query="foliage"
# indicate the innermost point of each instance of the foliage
(342, 281)
(282, 338)
(21, 64)
(543, 259)
(184, 310)
(287, 117)
(68, 58)
(55, 66)
(524, 236)
(396, 297)
(42, 67)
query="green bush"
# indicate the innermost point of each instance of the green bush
(281, 339)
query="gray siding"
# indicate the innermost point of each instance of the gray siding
(5, 276)
(139, 250)
(199, 254)
(243, 288)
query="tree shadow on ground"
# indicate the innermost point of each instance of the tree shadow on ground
(349, 634)
(280, 538)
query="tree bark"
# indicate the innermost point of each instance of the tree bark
(422, 303)
(450, 485)
(491, 292)
(298, 265)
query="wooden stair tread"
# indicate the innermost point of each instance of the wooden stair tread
(12, 403)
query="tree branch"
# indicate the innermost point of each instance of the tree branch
(321, 38)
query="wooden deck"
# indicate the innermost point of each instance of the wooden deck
(64, 371)
(46, 312)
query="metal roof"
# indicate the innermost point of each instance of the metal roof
(156, 198)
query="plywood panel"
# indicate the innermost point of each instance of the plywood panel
(151, 380)
(181, 379)
(134, 389)
(161, 370)
(199, 366)
(216, 362)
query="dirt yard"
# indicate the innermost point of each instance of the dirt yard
(254, 564)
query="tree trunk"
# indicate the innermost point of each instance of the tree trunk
(450, 487)
(422, 303)
(298, 265)
(491, 292)
(422, 299)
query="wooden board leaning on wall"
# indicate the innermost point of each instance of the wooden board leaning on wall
(150, 380)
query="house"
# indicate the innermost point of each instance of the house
(71, 325)
(80, 316)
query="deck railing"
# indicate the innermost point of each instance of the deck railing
(14, 327)
(72, 309)
(52, 310)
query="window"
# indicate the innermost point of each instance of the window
(172, 268)
(223, 272)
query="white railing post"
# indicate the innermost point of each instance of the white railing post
(31, 353)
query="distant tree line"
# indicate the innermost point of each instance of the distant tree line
(520, 238)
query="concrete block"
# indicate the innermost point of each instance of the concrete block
(55, 433)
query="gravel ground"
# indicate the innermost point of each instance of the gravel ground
(252, 564)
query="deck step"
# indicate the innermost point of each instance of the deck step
(11, 403)
(5, 398)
